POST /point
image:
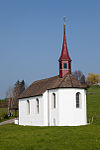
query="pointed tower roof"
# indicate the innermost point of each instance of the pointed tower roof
(64, 53)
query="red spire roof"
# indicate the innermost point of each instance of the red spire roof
(64, 53)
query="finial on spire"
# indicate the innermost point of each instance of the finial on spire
(64, 18)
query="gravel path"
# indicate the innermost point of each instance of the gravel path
(8, 121)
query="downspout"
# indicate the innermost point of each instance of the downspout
(48, 110)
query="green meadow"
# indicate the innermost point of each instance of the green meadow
(15, 137)
(93, 104)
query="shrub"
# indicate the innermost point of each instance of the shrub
(5, 116)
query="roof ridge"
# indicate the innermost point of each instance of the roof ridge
(71, 80)
(62, 80)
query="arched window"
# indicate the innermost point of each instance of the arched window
(54, 100)
(65, 65)
(78, 101)
(28, 107)
(37, 105)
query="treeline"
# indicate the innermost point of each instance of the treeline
(91, 80)
(13, 94)
(11, 100)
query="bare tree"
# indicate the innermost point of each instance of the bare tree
(79, 76)
(13, 94)
(19, 87)
(9, 96)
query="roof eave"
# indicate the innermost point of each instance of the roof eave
(29, 96)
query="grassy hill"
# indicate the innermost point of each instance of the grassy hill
(14, 137)
(93, 104)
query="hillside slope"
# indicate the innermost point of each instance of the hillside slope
(93, 104)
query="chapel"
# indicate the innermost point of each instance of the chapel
(56, 101)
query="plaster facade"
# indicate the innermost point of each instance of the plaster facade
(64, 114)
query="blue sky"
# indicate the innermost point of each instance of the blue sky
(31, 34)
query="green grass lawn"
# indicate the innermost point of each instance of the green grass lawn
(15, 137)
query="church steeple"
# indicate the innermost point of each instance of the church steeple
(64, 60)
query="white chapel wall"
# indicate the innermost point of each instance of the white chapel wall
(64, 114)
(33, 118)
(53, 112)
(69, 114)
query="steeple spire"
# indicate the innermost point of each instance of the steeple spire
(64, 29)
(64, 60)
(64, 18)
